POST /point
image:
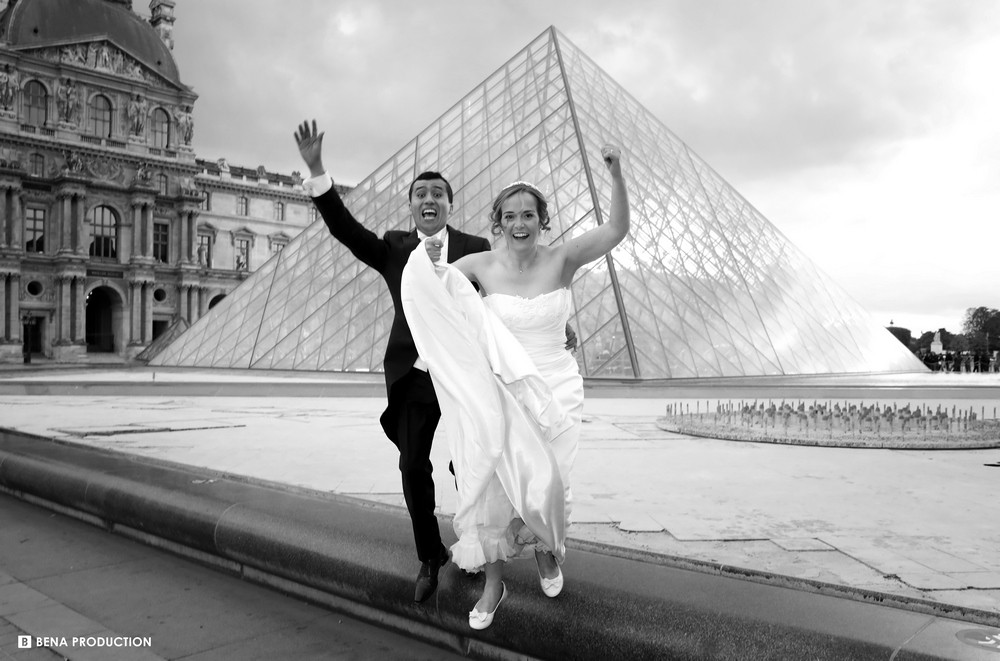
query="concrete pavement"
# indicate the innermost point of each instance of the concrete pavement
(909, 528)
(95, 596)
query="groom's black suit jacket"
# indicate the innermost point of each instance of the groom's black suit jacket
(388, 256)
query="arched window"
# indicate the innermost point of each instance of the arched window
(242, 206)
(161, 128)
(162, 183)
(100, 116)
(104, 224)
(279, 210)
(35, 104)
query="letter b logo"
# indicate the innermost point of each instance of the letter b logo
(24, 642)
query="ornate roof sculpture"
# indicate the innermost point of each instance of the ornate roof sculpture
(103, 35)
(704, 286)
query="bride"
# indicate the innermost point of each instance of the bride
(511, 395)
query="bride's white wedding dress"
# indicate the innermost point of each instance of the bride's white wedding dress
(539, 325)
(511, 398)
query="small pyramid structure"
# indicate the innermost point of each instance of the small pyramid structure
(704, 286)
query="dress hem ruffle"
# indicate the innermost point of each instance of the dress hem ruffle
(475, 550)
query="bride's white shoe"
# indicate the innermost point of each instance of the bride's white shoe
(551, 586)
(480, 621)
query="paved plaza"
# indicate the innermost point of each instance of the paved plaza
(914, 528)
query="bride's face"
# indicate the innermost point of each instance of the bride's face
(520, 220)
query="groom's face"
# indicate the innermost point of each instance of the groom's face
(429, 205)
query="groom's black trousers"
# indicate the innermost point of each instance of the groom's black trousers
(418, 414)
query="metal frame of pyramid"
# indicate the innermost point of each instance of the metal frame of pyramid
(704, 286)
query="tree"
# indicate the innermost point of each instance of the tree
(978, 320)
(959, 342)
(981, 327)
(902, 334)
(922, 344)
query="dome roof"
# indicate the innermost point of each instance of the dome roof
(39, 23)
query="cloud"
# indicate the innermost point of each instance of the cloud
(765, 88)
(865, 131)
(759, 88)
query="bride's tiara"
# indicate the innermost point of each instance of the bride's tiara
(522, 183)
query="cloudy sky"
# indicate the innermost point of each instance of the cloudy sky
(867, 132)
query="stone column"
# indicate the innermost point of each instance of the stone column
(188, 219)
(136, 229)
(140, 219)
(202, 302)
(72, 314)
(74, 233)
(183, 296)
(142, 228)
(65, 303)
(193, 235)
(135, 311)
(79, 223)
(148, 229)
(17, 222)
(3, 310)
(11, 216)
(80, 310)
(63, 227)
(6, 210)
(183, 254)
(14, 307)
(147, 312)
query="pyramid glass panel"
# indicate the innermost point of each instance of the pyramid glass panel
(704, 286)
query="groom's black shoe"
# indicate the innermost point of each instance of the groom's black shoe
(427, 578)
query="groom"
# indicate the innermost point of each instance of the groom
(412, 413)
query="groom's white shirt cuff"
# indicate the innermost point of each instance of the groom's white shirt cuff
(316, 186)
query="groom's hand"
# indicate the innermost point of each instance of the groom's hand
(570, 339)
(434, 249)
(310, 142)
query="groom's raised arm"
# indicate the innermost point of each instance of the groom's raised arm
(362, 242)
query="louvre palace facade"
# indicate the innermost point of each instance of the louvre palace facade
(112, 230)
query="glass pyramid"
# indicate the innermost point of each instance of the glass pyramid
(704, 286)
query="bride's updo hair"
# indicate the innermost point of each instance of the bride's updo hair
(510, 190)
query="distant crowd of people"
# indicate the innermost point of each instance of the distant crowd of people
(963, 361)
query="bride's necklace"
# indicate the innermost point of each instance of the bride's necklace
(520, 268)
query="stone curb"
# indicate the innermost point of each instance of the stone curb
(359, 558)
